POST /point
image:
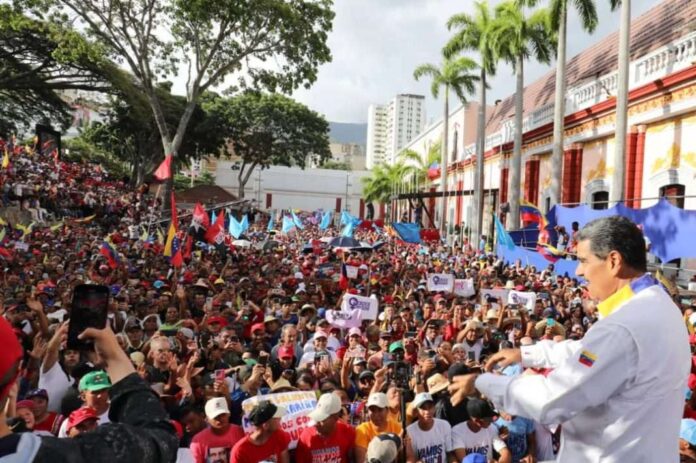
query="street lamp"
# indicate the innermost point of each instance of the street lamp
(348, 184)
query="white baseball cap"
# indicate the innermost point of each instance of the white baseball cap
(328, 404)
(377, 399)
(383, 448)
(216, 407)
(422, 398)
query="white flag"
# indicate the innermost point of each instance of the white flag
(464, 287)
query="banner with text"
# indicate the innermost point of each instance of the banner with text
(492, 296)
(367, 305)
(527, 299)
(344, 319)
(440, 282)
(297, 405)
(464, 287)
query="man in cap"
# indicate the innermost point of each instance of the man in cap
(329, 439)
(216, 441)
(384, 448)
(476, 435)
(429, 439)
(45, 420)
(378, 423)
(146, 435)
(267, 440)
(288, 338)
(82, 420)
(94, 392)
(618, 391)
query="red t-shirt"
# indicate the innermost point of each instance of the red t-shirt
(246, 451)
(50, 424)
(208, 447)
(313, 448)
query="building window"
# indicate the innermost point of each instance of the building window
(600, 200)
(674, 194)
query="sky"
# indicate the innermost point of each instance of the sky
(376, 45)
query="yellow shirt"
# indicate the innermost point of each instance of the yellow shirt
(366, 431)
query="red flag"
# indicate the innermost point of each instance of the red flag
(164, 171)
(188, 246)
(217, 230)
(200, 217)
(343, 282)
(177, 259)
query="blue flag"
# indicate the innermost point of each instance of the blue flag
(236, 228)
(350, 222)
(244, 223)
(288, 224)
(271, 222)
(296, 220)
(504, 239)
(213, 217)
(408, 232)
(326, 220)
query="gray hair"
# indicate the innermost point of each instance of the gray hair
(616, 233)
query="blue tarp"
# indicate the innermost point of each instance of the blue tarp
(671, 231)
(562, 267)
(408, 232)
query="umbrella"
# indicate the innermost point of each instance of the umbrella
(242, 243)
(378, 245)
(267, 245)
(344, 242)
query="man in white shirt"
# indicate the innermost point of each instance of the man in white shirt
(476, 435)
(618, 391)
(429, 439)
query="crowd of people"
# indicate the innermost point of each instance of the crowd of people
(219, 338)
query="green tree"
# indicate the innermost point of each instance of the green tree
(417, 166)
(33, 67)
(336, 165)
(385, 180)
(272, 44)
(559, 22)
(265, 129)
(473, 33)
(517, 38)
(455, 74)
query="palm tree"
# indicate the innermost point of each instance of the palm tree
(384, 181)
(518, 38)
(474, 35)
(417, 167)
(454, 75)
(617, 185)
(559, 22)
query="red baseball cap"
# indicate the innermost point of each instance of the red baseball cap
(81, 415)
(286, 352)
(12, 355)
(258, 327)
(217, 319)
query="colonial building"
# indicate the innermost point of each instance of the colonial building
(660, 158)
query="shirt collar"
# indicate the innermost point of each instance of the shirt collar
(616, 300)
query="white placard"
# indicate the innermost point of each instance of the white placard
(498, 293)
(464, 287)
(351, 272)
(344, 319)
(297, 406)
(367, 305)
(440, 282)
(527, 299)
(21, 246)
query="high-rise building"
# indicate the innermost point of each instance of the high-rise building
(390, 127)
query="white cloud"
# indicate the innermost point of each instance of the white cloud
(376, 45)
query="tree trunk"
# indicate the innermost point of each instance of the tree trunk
(515, 184)
(617, 178)
(477, 224)
(243, 178)
(559, 109)
(443, 167)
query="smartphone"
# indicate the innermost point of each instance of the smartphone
(263, 360)
(410, 334)
(89, 310)
(471, 355)
(220, 375)
(550, 322)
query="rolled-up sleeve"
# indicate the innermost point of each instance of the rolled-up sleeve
(604, 360)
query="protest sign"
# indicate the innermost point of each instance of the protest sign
(527, 299)
(326, 270)
(351, 272)
(464, 287)
(21, 246)
(367, 305)
(488, 295)
(297, 405)
(440, 282)
(344, 318)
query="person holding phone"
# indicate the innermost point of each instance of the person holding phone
(140, 430)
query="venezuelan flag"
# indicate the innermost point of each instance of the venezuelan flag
(550, 253)
(173, 228)
(530, 213)
(110, 254)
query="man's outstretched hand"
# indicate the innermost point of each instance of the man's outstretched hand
(503, 358)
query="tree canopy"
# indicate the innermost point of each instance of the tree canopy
(266, 129)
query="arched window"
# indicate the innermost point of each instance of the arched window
(674, 194)
(600, 200)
